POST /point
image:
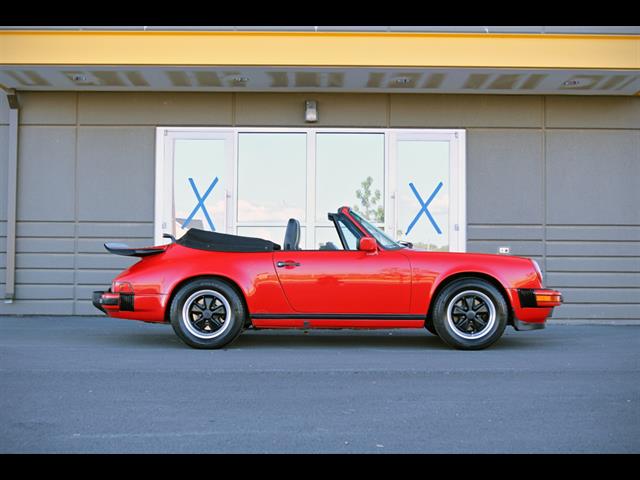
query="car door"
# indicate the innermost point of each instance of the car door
(345, 281)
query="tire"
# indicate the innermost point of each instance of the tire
(207, 313)
(430, 328)
(470, 314)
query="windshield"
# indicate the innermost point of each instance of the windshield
(375, 232)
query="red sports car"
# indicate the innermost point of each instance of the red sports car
(210, 286)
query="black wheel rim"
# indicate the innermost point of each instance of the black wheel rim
(206, 314)
(471, 314)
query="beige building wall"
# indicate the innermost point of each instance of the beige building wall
(556, 178)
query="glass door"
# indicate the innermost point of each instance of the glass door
(349, 170)
(272, 183)
(426, 176)
(197, 182)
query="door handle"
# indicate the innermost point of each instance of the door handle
(287, 264)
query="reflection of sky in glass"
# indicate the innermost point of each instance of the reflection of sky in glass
(344, 161)
(272, 180)
(202, 160)
(425, 164)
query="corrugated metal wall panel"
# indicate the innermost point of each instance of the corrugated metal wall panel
(554, 178)
(603, 248)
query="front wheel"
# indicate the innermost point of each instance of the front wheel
(470, 314)
(207, 313)
(430, 328)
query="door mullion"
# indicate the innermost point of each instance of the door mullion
(391, 188)
(232, 184)
(310, 237)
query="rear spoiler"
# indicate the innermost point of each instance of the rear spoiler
(127, 251)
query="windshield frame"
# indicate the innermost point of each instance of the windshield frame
(376, 233)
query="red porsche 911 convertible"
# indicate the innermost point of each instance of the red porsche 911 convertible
(210, 286)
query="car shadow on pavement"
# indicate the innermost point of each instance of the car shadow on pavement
(271, 339)
(165, 339)
(335, 340)
(324, 339)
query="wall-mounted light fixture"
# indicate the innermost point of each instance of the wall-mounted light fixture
(311, 111)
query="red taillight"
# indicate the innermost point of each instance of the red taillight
(121, 287)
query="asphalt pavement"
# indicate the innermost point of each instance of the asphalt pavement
(95, 384)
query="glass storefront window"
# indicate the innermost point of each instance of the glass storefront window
(272, 177)
(327, 239)
(409, 183)
(350, 171)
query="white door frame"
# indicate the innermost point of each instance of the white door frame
(456, 138)
(457, 180)
(165, 142)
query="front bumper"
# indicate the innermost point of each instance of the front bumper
(539, 298)
(532, 307)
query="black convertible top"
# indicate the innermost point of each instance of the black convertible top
(222, 242)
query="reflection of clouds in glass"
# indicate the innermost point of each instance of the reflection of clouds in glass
(215, 209)
(344, 161)
(280, 212)
(271, 176)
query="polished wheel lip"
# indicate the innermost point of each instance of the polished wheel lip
(490, 322)
(188, 323)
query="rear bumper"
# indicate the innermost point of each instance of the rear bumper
(113, 302)
(148, 307)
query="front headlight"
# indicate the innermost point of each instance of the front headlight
(538, 271)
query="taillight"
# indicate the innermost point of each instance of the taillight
(121, 287)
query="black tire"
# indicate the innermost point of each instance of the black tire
(207, 313)
(470, 314)
(430, 328)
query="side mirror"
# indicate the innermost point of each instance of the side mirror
(367, 244)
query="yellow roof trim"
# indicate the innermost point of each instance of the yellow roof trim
(320, 49)
(323, 34)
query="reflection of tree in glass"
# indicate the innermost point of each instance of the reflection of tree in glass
(370, 202)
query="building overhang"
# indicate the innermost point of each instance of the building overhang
(320, 61)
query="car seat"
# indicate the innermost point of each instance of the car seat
(292, 235)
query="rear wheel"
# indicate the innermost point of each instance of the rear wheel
(470, 314)
(207, 313)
